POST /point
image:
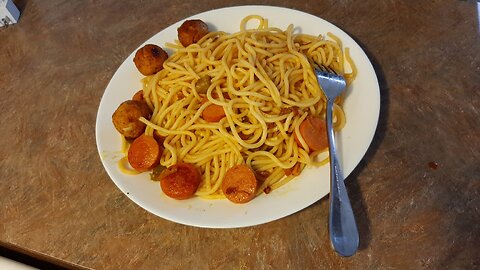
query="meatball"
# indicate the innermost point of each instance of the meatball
(191, 31)
(149, 59)
(125, 118)
(138, 96)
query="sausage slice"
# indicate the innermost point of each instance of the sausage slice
(314, 131)
(180, 181)
(239, 184)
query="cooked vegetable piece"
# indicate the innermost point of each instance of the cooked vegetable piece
(239, 184)
(202, 84)
(155, 174)
(180, 181)
(144, 153)
(149, 59)
(295, 170)
(313, 132)
(262, 175)
(160, 139)
(213, 112)
(125, 118)
(287, 110)
(191, 31)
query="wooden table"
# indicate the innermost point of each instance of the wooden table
(416, 193)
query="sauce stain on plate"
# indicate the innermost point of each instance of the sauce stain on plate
(112, 156)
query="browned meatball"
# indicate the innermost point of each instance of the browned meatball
(125, 118)
(138, 96)
(149, 59)
(191, 31)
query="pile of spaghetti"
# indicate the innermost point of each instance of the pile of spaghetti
(264, 81)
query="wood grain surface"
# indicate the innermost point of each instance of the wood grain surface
(416, 194)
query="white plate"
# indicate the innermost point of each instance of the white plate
(361, 107)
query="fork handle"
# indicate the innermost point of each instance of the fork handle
(341, 223)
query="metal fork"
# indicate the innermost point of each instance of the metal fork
(341, 222)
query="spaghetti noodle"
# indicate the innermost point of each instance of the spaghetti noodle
(263, 80)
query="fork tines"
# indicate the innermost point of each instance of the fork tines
(324, 68)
